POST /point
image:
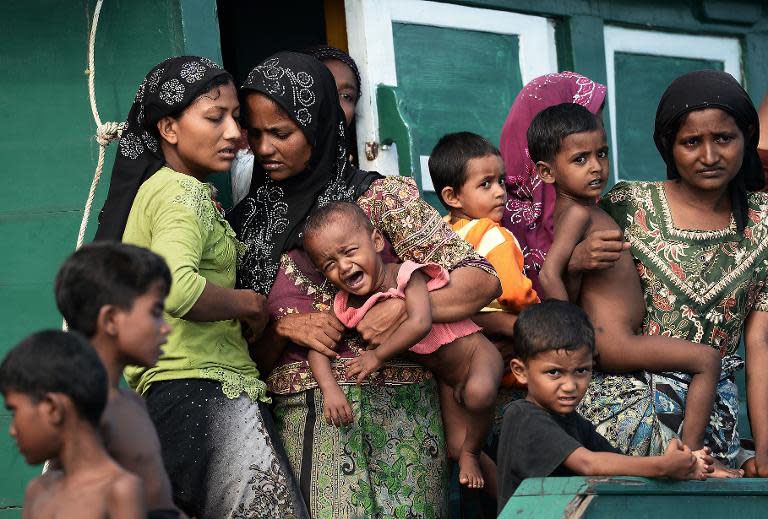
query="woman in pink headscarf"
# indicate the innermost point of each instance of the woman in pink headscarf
(531, 202)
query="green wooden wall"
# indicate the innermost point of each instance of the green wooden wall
(49, 151)
(484, 74)
(636, 103)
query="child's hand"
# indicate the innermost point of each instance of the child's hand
(364, 365)
(336, 408)
(680, 462)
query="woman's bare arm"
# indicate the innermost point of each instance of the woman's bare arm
(218, 304)
(756, 343)
(763, 115)
(469, 290)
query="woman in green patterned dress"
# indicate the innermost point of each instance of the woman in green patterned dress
(700, 243)
(390, 461)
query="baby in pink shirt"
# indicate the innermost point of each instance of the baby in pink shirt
(345, 247)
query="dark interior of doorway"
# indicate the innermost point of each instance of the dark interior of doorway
(253, 30)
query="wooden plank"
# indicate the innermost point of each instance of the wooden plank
(677, 507)
(538, 507)
(625, 485)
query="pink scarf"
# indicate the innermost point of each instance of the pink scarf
(531, 203)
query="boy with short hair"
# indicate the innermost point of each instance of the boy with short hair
(543, 435)
(468, 175)
(568, 145)
(114, 294)
(56, 389)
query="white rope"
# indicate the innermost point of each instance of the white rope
(105, 132)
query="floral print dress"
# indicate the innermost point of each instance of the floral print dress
(699, 286)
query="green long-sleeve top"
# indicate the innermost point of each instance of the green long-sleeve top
(174, 215)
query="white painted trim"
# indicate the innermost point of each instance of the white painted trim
(369, 34)
(656, 43)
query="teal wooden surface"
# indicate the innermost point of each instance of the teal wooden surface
(15, 472)
(466, 82)
(609, 497)
(640, 81)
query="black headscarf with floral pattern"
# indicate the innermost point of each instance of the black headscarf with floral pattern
(168, 89)
(270, 220)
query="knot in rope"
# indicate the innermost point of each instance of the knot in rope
(108, 132)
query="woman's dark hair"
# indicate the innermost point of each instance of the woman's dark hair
(53, 361)
(550, 326)
(449, 158)
(105, 273)
(704, 89)
(552, 125)
(351, 214)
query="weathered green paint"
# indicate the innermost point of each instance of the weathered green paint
(545, 498)
(640, 81)
(49, 150)
(466, 82)
(394, 127)
(682, 16)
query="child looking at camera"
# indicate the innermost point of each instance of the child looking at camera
(543, 435)
(569, 147)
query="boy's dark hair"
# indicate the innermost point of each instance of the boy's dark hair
(549, 326)
(354, 217)
(105, 273)
(449, 158)
(552, 125)
(53, 361)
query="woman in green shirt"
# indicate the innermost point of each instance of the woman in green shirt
(204, 396)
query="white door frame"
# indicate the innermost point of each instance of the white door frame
(369, 33)
(667, 44)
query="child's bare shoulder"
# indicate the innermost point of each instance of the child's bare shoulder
(41, 486)
(129, 433)
(600, 220)
(126, 491)
(573, 220)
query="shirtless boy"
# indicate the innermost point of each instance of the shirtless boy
(56, 389)
(114, 295)
(568, 145)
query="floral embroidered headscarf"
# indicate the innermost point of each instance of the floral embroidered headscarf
(531, 203)
(168, 89)
(271, 218)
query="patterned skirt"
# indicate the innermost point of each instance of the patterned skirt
(640, 413)
(390, 462)
(222, 455)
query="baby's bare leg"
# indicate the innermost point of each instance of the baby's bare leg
(471, 368)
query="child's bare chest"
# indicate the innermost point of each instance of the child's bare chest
(85, 502)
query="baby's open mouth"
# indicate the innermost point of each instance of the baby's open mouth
(354, 279)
